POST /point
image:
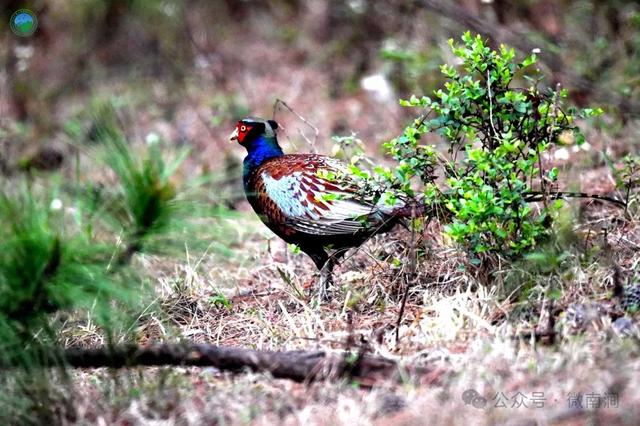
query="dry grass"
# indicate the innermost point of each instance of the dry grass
(253, 291)
(461, 330)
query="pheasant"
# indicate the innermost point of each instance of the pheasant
(309, 200)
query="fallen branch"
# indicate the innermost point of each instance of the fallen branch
(300, 366)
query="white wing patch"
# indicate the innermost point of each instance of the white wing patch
(323, 216)
(282, 192)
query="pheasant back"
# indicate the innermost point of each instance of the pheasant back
(309, 199)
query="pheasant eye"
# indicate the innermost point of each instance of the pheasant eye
(243, 128)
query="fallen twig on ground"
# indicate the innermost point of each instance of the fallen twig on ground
(300, 366)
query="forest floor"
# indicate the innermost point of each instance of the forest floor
(483, 366)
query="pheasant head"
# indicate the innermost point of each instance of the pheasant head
(259, 138)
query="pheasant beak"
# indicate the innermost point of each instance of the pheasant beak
(234, 135)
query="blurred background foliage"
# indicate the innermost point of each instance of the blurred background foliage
(88, 103)
(186, 70)
(213, 53)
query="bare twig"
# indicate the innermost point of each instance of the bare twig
(493, 126)
(618, 287)
(546, 325)
(546, 336)
(410, 276)
(536, 196)
(301, 118)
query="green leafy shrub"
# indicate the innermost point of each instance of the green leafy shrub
(495, 133)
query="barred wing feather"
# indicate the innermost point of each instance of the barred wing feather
(315, 205)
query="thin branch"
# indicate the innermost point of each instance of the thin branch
(411, 275)
(301, 118)
(535, 196)
(495, 132)
(545, 331)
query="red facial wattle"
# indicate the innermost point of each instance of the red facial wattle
(242, 131)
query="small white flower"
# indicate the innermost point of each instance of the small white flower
(56, 204)
(561, 154)
(535, 50)
(357, 6)
(152, 138)
(169, 9)
(24, 52)
(378, 86)
(584, 147)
